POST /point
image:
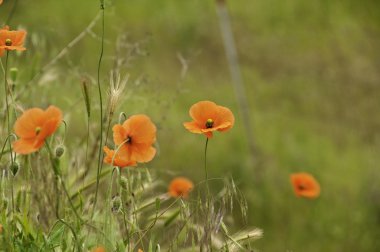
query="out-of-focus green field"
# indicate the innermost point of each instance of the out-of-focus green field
(311, 70)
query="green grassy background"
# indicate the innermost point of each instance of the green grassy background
(311, 70)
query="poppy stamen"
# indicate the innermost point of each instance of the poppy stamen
(38, 130)
(209, 123)
(128, 140)
(301, 187)
(8, 42)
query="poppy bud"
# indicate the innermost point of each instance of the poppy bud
(59, 151)
(124, 183)
(116, 204)
(14, 167)
(13, 73)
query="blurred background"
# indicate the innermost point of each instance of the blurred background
(312, 80)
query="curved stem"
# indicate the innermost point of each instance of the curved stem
(101, 110)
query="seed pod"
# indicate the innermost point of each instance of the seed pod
(116, 204)
(59, 151)
(14, 167)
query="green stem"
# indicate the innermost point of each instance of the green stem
(101, 111)
(57, 173)
(206, 173)
(127, 240)
(6, 93)
(208, 203)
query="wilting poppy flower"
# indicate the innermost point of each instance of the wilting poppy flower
(208, 117)
(180, 187)
(134, 139)
(305, 185)
(11, 40)
(34, 126)
(120, 159)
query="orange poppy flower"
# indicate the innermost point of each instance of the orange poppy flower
(180, 187)
(11, 40)
(209, 117)
(6, 28)
(136, 134)
(1, 1)
(305, 185)
(120, 159)
(34, 126)
(99, 249)
(136, 137)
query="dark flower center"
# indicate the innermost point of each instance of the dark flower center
(8, 42)
(301, 187)
(128, 140)
(37, 130)
(209, 123)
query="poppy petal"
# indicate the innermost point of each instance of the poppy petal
(192, 127)
(119, 134)
(26, 124)
(142, 130)
(143, 153)
(25, 146)
(202, 111)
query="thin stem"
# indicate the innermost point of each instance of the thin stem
(206, 173)
(57, 173)
(207, 228)
(101, 111)
(6, 93)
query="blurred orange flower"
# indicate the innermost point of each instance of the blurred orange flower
(1, 226)
(1, 1)
(120, 159)
(180, 187)
(34, 126)
(11, 40)
(305, 185)
(99, 249)
(208, 117)
(136, 137)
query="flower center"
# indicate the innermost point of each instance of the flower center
(8, 42)
(128, 140)
(37, 130)
(209, 123)
(301, 187)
